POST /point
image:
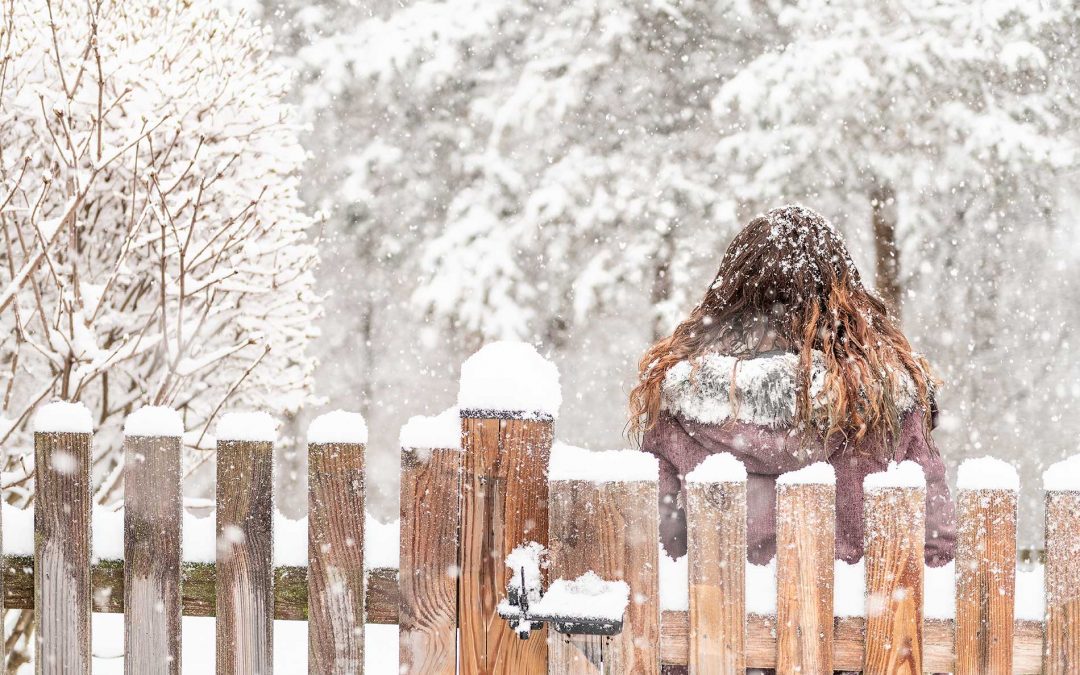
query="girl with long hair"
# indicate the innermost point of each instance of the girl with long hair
(789, 360)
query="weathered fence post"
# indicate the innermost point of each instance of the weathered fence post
(894, 511)
(153, 513)
(604, 519)
(805, 550)
(716, 546)
(336, 616)
(430, 508)
(985, 567)
(245, 547)
(1062, 484)
(62, 542)
(509, 397)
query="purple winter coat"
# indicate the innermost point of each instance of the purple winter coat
(699, 420)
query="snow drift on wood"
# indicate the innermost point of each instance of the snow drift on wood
(154, 420)
(439, 431)
(606, 466)
(587, 597)
(510, 376)
(247, 426)
(987, 473)
(63, 417)
(721, 467)
(818, 473)
(906, 474)
(1063, 476)
(338, 426)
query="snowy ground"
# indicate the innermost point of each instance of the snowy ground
(290, 647)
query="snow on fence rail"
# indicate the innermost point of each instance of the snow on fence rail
(484, 479)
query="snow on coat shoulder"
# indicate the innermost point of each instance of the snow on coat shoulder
(715, 388)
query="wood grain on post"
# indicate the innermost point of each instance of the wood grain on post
(336, 612)
(153, 513)
(1062, 653)
(245, 555)
(716, 549)
(895, 519)
(985, 581)
(805, 550)
(504, 505)
(62, 552)
(430, 494)
(610, 528)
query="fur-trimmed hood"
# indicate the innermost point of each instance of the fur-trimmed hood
(764, 390)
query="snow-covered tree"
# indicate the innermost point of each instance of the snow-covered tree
(154, 245)
(533, 162)
(919, 116)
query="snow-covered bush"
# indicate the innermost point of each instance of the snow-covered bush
(154, 247)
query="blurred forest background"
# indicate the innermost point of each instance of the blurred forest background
(569, 173)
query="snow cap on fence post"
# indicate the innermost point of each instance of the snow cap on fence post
(721, 467)
(906, 474)
(63, 417)
(818, 473)
(154, 420)
(338, 426)
(1063, 476)
(247, 426)
(442, 431)
(509, 376)
(987, 473)
(606, 466)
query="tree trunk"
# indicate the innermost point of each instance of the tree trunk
(886, 252)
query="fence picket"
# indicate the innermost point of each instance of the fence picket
(245, 551)
(895, 519)
(62, 552)
(430, 487)
(336, 612)
(152, 526)
(805, 549)
(610, 528)
(1062, 649)
(985, 581)
(716, 543)
(504, 504)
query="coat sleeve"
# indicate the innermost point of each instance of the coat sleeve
(659, 441)
(940, 511)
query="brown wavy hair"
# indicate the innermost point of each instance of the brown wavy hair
(787, 282)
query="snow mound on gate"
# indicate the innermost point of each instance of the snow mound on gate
(338, 426)
(154, 420)
(1063, 476)
(247, 426)
(510, 377)
(63, 417)
(906, 474)
(429, 432)
(987, 473)
(604, 466)
(721, 467)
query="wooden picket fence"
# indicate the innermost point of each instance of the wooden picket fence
(463, 509)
